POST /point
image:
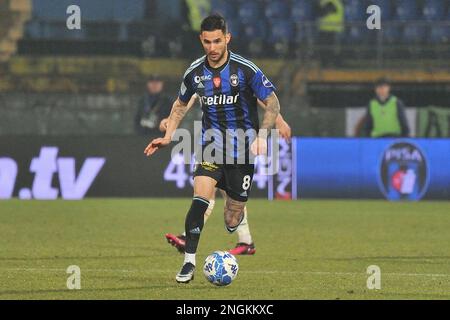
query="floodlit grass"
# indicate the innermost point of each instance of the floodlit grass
(305, 250)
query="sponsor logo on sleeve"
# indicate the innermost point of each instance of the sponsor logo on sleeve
(266, 82)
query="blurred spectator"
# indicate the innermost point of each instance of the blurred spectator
(198, 10)
(153, 107)
(330, 28)
(331, 20)
(386, 113)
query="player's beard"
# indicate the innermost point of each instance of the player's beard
(219, 57)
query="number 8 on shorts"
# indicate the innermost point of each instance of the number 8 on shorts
(246, 182)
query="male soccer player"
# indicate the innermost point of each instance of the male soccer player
(245, 244)
(228, 86)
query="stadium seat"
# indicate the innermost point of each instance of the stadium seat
(302, 10)
(433, 10)
(91, 10)
(234, 27)
(256, 30)
(33, 29)
(385, 6)
(223, 7)
(250, 11)
(439, 34)
(281, 31)
(49, 9)
(51, 30)
(303, 32)
(98, 30)
(276, 10)
(355, 34)
(130, 10)
(406, 10)
(96, 10)
(391, 34)
(354, 10)
(414, 34)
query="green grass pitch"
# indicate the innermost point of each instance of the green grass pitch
(305, 250)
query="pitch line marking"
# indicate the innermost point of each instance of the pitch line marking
(248, 272)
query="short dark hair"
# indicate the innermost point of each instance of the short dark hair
(154, 77)
(214, 22)
(382, 81)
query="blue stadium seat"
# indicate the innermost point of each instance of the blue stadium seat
(234, 27)
(255, 31)
(433, 10)
(414, 33)
(281, 31)
(302, 10)
(391, 34)
(130, 10)
(50, 9)
(250, 11)
(33, 29)
(303, 32)
(54, 30)
(407, 10)
(225, 8)
(385, 6)
(95, 10)
(276, 10)
(355, 34)
(91, 10)
(439, 34)
(354, 10)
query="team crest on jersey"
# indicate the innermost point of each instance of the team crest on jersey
(266, 82)
(234, 80)
(216, 81)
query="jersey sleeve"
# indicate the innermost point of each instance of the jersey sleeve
(186, 89)
(261, 85)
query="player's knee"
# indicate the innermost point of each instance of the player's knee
(208, 212)
(224, 194)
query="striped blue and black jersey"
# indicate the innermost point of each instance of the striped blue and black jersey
(228, 94)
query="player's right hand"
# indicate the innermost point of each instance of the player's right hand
(163, 124)
(284, 130)
(155, 145)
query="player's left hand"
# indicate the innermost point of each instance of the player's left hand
(285, 130)
(259, 146)
(155, 145)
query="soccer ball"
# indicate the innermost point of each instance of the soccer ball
(220, 268)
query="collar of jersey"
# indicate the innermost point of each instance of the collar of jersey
(219, 69)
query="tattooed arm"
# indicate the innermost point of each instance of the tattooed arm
(179, 110)
(280, 124)
(163, 125)
(272, 110)
(271, 107)
(177, 114)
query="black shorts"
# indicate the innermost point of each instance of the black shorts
(234, 179)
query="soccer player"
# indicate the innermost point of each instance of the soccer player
(245, 244)
(228, 86)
